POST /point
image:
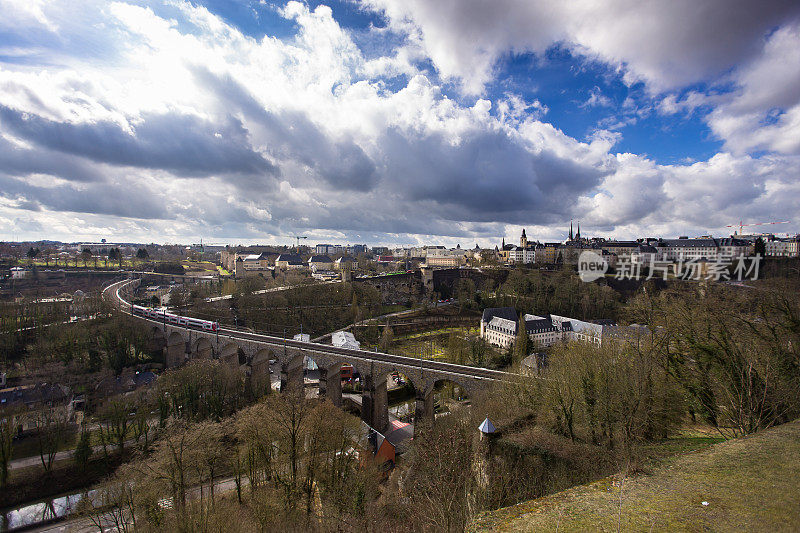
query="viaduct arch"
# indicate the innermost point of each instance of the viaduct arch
(180, 344)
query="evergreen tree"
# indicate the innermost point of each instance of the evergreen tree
(83, 451)
(760, 247)
(355, 309)
(521, 343)
(386, 338)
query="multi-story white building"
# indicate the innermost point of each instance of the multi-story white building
(446, 258)
(581, 330)
(686, 249)
(776, 247)
(499, 328)
(518, 254)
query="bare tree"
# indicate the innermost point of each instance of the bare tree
(734, 352)
(440, 483)
(8, 428)
(51, 432)
(114, 422)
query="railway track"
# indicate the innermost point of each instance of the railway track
(112, 293)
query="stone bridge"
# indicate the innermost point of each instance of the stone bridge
(253, 352)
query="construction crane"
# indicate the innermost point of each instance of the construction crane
(202, 244)
(740, 225)
(297, 237)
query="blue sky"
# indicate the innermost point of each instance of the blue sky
(566, 84)
(456, 121)
(561, 81)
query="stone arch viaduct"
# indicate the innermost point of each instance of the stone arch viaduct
(181, 344)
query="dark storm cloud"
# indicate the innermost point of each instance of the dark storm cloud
(182, 144)
(423, 181)
(343, 164)
(117, 199)
(488, 176)
(667, 44)
(15, 160)
(382, 216)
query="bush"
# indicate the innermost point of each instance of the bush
(169, 268)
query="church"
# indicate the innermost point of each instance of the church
(536, 252)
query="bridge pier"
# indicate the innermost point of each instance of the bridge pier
(373, 366)
(175, 351)
(203, 350)
(374, 402)
(259, 373)
(229, 355)
(292, 375)
(423, 412)
(330, 384)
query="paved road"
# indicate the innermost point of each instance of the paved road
(366, 321)
(274, 289)
(86, 525)
(34, 460)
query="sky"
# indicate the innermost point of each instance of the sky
(397, 122)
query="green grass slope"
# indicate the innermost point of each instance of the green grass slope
(749, 484)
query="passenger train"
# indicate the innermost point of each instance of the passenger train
(162, 316)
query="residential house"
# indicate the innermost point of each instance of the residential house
(344, 262)
(289, 262)
(319, 262)
(28, 402)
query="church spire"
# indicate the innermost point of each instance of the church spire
(578, 235)
(570, 230)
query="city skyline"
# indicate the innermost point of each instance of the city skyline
(379, 122)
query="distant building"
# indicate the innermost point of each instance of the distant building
(357, 249)
(344, 262)
(319, 262)
(289, 262)
(776, 247)
(485, 254)
(345, 339)
(705, 248)
(441, 257)
(499, 328)
(28, 401)
(547, 253)
(127, 381)
(156, 291)
(645, 255)
(247, 262)
(336, 249)
(324, 275)
(622, 249)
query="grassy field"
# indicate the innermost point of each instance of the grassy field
(206, 267)
(747, 484)
(431, 344)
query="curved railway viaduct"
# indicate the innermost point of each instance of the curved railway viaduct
(181, 344)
